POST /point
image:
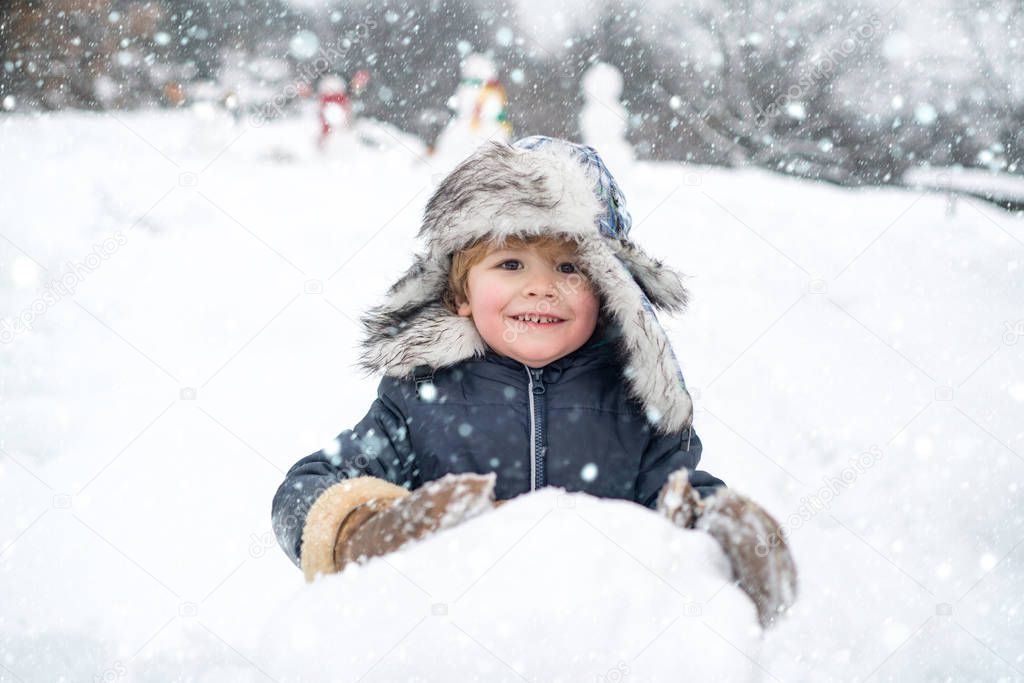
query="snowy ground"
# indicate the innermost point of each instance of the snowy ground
(856, 357)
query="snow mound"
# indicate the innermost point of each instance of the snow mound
(550, 586)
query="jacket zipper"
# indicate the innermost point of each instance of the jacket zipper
(538, 450)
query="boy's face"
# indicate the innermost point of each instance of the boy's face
(511, 282)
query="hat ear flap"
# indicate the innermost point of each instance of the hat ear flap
(663, 286)
(431, 335)
(652, 371)
(413, 328)
(420, 282)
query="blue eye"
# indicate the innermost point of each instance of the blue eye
(516, 264)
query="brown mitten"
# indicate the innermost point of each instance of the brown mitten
(379, 527)
(751, 538)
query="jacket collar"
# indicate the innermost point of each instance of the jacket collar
(601, 344)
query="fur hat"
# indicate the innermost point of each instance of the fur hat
(535, 186)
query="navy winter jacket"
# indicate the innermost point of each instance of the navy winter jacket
(570, 424)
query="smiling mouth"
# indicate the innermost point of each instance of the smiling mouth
(537, 320)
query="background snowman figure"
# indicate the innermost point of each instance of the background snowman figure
(334, 105)
(603, 119)
(481, 110)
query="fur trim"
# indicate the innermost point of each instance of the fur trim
(324, 517)
(433, 336)
(651, 368)
(500, 191)
(662, 285)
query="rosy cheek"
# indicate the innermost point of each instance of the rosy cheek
(488, 304)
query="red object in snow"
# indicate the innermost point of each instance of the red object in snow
(359, 81)
(335, 110)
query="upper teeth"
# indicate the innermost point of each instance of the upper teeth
(536, 318)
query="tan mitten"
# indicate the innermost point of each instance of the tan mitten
(382, 527)
(751, 538)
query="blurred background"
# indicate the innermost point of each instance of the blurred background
(850, 92)
(199, 198)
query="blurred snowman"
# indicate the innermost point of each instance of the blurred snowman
(481, 109)
(335, 107)
(603, 120)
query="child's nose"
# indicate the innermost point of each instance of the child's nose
(542, 285)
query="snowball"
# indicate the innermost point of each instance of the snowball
(335, 114)
(796, 110)
(896, 46)
(333, 448)
(24, 273)
(428, 392)
(925, 114)
(987, 561)
(504, 36)
(304, 45)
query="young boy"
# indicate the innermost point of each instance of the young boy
(521, 351)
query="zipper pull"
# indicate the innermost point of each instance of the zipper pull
(538, 380)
